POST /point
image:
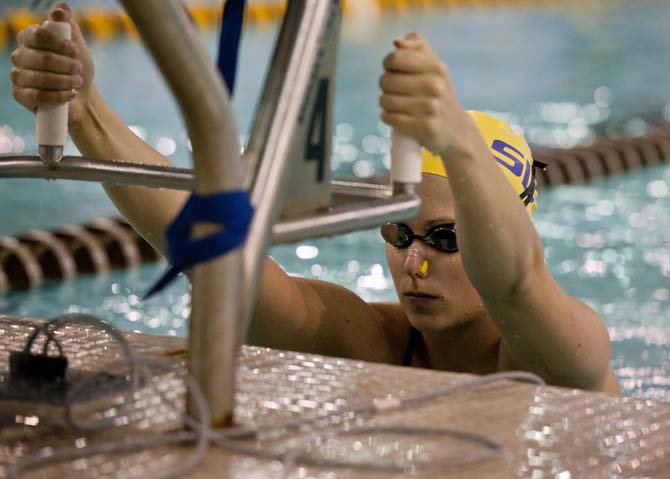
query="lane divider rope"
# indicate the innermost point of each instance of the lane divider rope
(106, 244)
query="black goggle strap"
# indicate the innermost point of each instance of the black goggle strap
(528, 194)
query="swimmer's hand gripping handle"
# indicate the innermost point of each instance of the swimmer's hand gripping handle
(405, 159)
(51, 128)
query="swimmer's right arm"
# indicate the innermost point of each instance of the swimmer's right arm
(291, 313)
(49, 70)
(324, 318)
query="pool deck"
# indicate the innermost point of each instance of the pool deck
(547, 432)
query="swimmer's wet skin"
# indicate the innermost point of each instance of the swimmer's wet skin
(473, 285)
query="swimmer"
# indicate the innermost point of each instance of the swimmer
(474, 291)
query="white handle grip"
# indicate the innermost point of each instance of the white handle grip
(51, 128)
(405, 159)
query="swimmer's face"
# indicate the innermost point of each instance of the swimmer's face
(442, 296)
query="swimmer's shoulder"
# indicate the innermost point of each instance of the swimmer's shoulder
(396, 326)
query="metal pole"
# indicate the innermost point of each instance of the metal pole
(199, 90)
(344, 220)
(105, 171)
(307, 27)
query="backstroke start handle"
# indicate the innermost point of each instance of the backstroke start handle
(405, 162)
(51, 127)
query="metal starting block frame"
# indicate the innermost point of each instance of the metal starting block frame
(287, 163)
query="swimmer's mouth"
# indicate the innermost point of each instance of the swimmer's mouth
(418, 295)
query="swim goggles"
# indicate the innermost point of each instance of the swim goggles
(441, 237)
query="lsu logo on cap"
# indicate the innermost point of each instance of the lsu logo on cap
(510, 151)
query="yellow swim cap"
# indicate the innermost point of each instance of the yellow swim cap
(510, 151)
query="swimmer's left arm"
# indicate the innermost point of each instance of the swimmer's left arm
(544, 330)
(554, 335)
(495, 235)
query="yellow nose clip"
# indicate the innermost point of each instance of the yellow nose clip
(423, 269)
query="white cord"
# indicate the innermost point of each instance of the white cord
(231, 438)
(201, 435)
(201, 426)
(379, 405)
(130, 359)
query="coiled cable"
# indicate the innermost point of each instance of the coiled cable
(199, 431)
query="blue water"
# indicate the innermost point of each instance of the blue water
(561, 74)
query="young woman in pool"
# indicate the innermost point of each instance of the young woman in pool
(474, 292)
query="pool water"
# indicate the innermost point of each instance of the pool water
(561, 74)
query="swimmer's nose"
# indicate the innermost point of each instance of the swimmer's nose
(416, 263)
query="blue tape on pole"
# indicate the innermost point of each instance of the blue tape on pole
(229, 41)
(232, 210)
